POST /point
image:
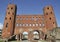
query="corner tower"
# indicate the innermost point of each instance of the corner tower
(49, 16)
(9, 21)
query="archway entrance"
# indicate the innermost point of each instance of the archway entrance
(25, 36)
(36, 35)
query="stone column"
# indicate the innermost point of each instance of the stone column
(39, 35)
(29, 38)
(30, 34)
(17, 37)
(20, 37)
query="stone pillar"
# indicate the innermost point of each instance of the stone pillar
(29, 38)
(18, 37)
(39, 35)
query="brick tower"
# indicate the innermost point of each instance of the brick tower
(9, 21)
(50, 20)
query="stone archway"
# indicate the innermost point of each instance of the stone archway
(25, 36)
(36, 35)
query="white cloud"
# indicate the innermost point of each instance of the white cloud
(1, 25)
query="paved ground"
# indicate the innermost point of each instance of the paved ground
(30, 41)
(57, 40)
(35, 41)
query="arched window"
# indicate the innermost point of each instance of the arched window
(48, 8)
(39, 24)
(10, 18)
(6, 25)
(30, 25)
(8, 12)
(20, 24)
(17, 24)
(50, 18)
(53, 22)
(26, 24)
(36, 24)
(11, 8)
(46, 13)
(33, 24)
(51, 12)
(23, 24)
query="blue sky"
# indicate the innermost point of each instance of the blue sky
(30, 7)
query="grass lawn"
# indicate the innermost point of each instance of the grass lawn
(1, 40)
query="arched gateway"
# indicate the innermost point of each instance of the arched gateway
(36, 35)
(31, 35)
(25, 35)
(29, 27)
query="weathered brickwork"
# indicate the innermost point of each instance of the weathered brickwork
(28, 24)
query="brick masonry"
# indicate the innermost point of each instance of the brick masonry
(18, 24)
